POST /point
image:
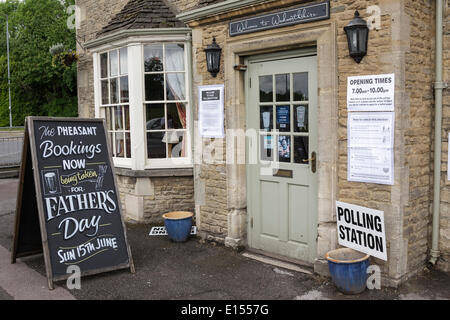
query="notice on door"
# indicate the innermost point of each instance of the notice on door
(211, 111)
(361, 229)
(371, 93)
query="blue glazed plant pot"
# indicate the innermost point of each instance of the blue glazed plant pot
(348, 269)
(178, 225)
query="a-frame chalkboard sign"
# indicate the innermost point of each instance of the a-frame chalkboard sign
(68, 207)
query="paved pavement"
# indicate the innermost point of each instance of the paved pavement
(187, 271)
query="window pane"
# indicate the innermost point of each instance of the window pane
(124, 91)
(114, 90)
(105, 92)
(154, 87)
(176, 144)
(124, 61)
(266, 89)
(114, 63)
(176, 116)
(267, 148)
(174, 57)
(108, 117)
(175, 86)
(266, 118)
(155, 118)
(156, 149)
(118, 118)
(301, 150)
(284, 149)
(128, 144)
(283, 118)
(127, 117)
(104, 65)
(283, 87)
(301, 118)
(120, 144)
(153, 57)
(300, 86)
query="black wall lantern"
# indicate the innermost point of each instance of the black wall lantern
(213, 52)
(357, 37)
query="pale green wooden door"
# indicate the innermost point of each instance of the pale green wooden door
(281, 183)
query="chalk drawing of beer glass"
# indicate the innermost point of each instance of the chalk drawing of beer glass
(51, 182)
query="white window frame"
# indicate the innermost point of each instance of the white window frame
(135, 42)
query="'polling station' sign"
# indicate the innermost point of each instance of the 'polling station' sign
(361, 229)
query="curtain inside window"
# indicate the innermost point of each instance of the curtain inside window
(175, 81)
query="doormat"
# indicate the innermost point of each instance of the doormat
(161, 231)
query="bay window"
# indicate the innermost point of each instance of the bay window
(142, 90)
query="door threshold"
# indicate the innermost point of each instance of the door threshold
(279, 261)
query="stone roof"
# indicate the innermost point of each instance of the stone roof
(143, 14)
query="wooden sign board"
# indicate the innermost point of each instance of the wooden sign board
(68, 206)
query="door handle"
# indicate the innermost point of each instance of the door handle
(313, 160)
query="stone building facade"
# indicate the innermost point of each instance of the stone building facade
(220, 191)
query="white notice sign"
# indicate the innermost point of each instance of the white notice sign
(371, 93)
(211, 111)
(372, 165)
(371, 129)
(361, 229)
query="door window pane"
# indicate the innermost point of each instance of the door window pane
(153, 58)
(155, 117)
(301, 118)
(175, 86)
(267, 146)
(301, 151)
(300, 86)
(282, 82)
(284, 149)
(156, 149)
(266, 89)
(266, 118)
(114, 63)
(283, 118)
(174, 57)
(154, 87)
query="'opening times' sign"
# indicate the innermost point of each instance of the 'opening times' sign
(371, 93)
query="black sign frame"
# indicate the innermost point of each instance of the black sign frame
(30, 239)
(293, 16)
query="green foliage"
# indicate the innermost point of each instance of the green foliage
(39, 86)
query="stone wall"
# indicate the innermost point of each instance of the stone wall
(95, 14)
(444, 243)
(145, 199)
(403, 44)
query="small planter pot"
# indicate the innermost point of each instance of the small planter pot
(348, 269)
(178, 225)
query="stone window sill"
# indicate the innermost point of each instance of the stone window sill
(150, 173)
